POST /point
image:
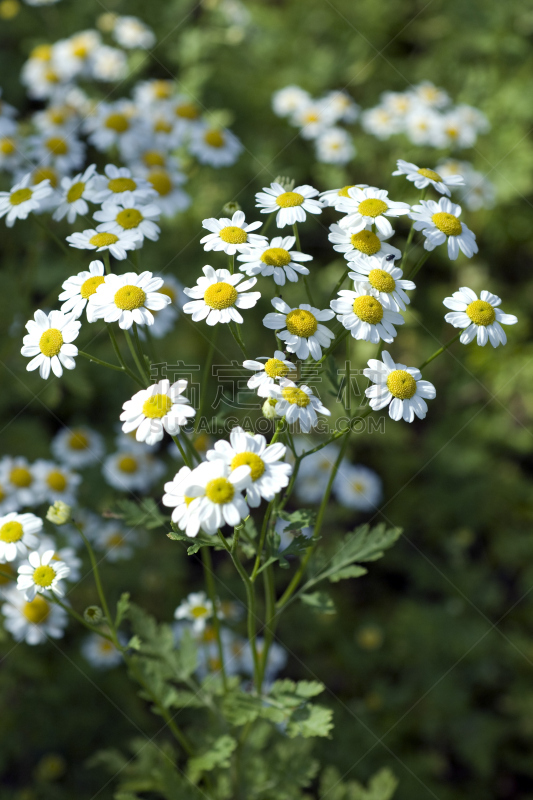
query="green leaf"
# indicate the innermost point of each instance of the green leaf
(134, 643)
(122, 608)
(286, 689)
(311, 720)
(320, 602)
(219, 755)
(199, 541)
(303, 518)
(239, 708)
(362, 545)
(145, 514)
(297, 547)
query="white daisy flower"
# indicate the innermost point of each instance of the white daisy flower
(288, 100)
(22, 199)
(78, 290)
(422, 126)
(21, 481)
(365, 316)
(297, 404)
(380, 122)
(167, 182)
(423, 177)
(440, 222)
(197, 608)
(109, 64)
(480, 318)
(313, 118)
(111, 124)
(276, 259)
(59, 482)
(130, 32)
(342, 106)
(218, 295)
(49, 342)
(356, 243)
(59, 148)
(332, 197)
(335, 146)
(291, 206)
(157, 409)
(165, 319)
(315, 471)
(152, 91)
(399, 387)
(128, 298)
(18, 534)
(431, 95)
(65, 554)
(74, 193)
(117, 243)
(231, 235)
(219, 490)
(268, 371)
(184, 508)
(119, 185)
(78, 447)
(11, 150)
(132, 470)
(357, 487)
(269, 473)
(8, 500)
(302, 332)
(217, 148)
(33, 622)
(117, 218)
(383, 280)
(455, 132)
(367, 207)
(41, 573)
(100, 652)
(115, 541)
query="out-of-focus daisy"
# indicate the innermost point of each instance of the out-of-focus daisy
(354, 243)
(64, 152)
(78, 290)
(11, 151)
(100, 652)
(74, 193)
(383, 280)
(109, 64)
(49, 342)
(111, 124)
(218, 296)
(367, 207)
(218, 148)
(59, 482)
(423, 177)
(335, 146)
(431, 95)
(159, 408)
(165, 319)
(276, 258)
(8, 500)
(267, 371)
(18, 534)
(130, 471)
(130, 32)
(440, 222)
(231, 235)
(342, 106)
(357, 487)
(152, 91)
(141, 219)
(302, 332)
(297, 404)
(290, 206)
(313, 118)
(480, 317)
(77, 447)
(21, 482)
(117, 243)
(128, 298)
(41, 573)
(119, 185)
(22, 199)
(197, 608)
(314, 471)
(32, 621)
(219, 490)
(183, 514)
(288, 100)
(365, 316)
(167, 184)
(399, 387)
(276, 659)
(380, 122)
(269, 473)
(115, 541)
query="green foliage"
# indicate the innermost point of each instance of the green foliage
(218, 755)
(381, 786)
(144, 514)
(200, 540)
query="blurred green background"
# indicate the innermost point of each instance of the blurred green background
(429, 661)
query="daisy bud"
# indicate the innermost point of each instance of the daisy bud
(93, 615)
(287, 183)
(269, 408)
(59, 513)
(230, 208)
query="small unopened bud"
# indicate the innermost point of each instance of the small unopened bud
(59, 513)
(93, 615)
(107, 22)
(269, 408)
(230, 208)
(287, 183)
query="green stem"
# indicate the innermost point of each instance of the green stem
(339, 283)
(334, 344)
(231, 263)
(419, 266)
(268, 221)
(96, 572)
(99, 361)
(205, 382)
(79, 618)
(299, 247)
(441, 350)
(237, 336)
(140, 352)
(144, 377)
(107, 262)
(211, 591)
(51, 234)
(262, 538)
(119, 356)
(183, 454)
(407, 245)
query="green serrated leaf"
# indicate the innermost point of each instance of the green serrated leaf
(218, 756)
(239, 708)
(145, 514)
(320, 602)
(302, 518)
(311, 720)
(122, 608)
(135, 643)
(196, 543)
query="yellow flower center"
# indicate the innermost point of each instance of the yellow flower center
(21, 477)
(37, 611)
(187, 111)
(20, 196)
(366, 242)
(368, 309)
(78, 441)
(431, 174)
(44, 576)
(75, 192)
(118, 185)
(447, 223)
(90, 286)
(152, 158)
(129, 218)
(43, 52)
(275, 368)
(256, 464)
(103, 239)
(128, 464)
(57, 116)
(214, 139)
(117, 122)
(276, 257)
(233, 235)
(7, 147)
(51, 76)
(199, 611)
(56, 481)
(42, 174)
(162, 89)
(115, 540)
(51, 342)
(301, 323)
(220, 295)
(220, 491)
(11, 532)
(130, 297)
(481, 312)
(57, 146)
(295, 396)
(289, 199)
(401, 384)
(381, 280)
(359, 488)
(105, 646)
(157, 406)
(344, 191)
(162, 126)
(372, 207)
(160, 181)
